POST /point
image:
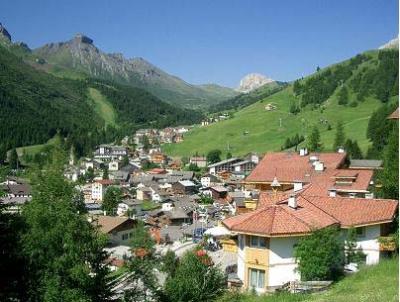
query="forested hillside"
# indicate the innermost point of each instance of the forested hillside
(348, 92)
(36, 105)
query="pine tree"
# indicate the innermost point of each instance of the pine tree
(14, 160)
(343, 96)
(314, 138)
(339, 136)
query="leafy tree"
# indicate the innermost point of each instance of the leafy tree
(195, 280)
(339, 137)
(14, 160)
(228, 155)
(64, 251)
(353, 254)
(111, 199)
(343, 96)
(317, 261)
(206, 199)
(352, 149)
(146, 143)
(89, 174)
(105, 172)
(142, 268)
(125, 161)
(214, 156)
(170, 263)
(192, 167)
(13, 273)
(313, 142)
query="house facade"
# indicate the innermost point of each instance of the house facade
(99, 188)
(267, 236)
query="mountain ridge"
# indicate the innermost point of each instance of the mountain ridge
(81, 54)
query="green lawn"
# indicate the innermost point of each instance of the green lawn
(255, 129)
(373, 283)
(33, 149)
(103, 107)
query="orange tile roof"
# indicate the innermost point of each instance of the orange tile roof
(290, 167)
(356, 211)
(276, 218)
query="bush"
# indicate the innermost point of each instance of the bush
(320, 256)
(195, 280)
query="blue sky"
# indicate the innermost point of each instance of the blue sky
(216, 41)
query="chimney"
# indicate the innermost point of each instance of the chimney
(298, 185)
(340, 150)
(303, 151)
(332, 192)
(319, 166)
(292, 202)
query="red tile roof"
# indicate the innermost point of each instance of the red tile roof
(290, 167)
(105, 181)
(356, 211)
(276, 218)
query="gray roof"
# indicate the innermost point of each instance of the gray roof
(226, 161)
(242, 162)
(15, 200)
(365, 163)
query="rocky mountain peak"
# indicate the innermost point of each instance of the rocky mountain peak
(253, 81)
(394, 43)
(81, 38)
(4, 32)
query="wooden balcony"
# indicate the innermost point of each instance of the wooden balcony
(387, 244)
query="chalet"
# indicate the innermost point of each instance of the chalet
(268, 235)
(118, 229)
(158, 158)
(225, 165)
(184, 187)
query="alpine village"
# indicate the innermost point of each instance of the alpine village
(121, 182)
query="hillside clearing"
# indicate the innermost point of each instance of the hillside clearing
(102, 107)
(259, 130)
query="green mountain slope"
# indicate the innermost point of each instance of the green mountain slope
(36, 105)
(246, 99)
(81, 55)
(369, 79)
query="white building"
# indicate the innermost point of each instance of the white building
(99, 188)
(268, 235)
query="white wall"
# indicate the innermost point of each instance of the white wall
(369, 243)
(282, 264)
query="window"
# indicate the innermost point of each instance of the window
(241, 242)
(258, 242)
(360, 232)
(125, 236)
(257, 278)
